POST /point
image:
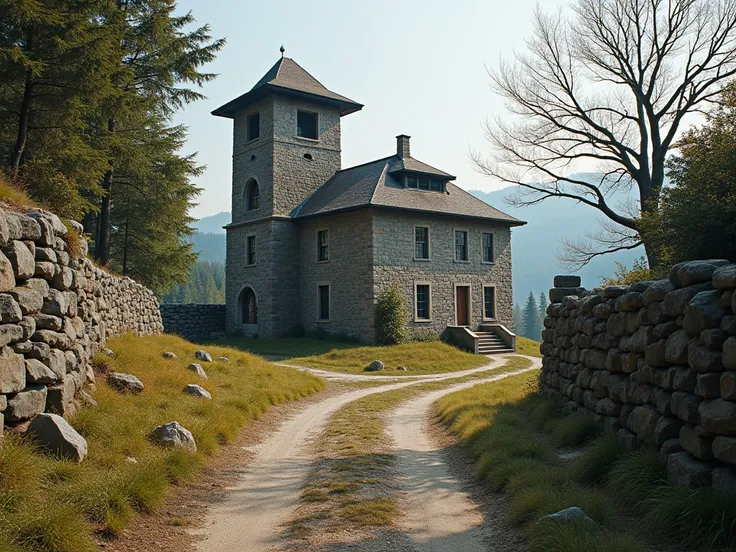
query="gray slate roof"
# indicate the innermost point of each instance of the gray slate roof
(414, 165)
(289, 78)
(372, 185)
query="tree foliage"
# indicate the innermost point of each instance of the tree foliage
(532, 327)
(205, 285)
(625, 276)
(697, 216)
(608, 86)
(391, 316)
(87, 94)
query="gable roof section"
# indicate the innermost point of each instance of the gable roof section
(409, 164)
(287, 77)
(371, 185)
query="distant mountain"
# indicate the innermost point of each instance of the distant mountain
(212, 224)
(534, 247)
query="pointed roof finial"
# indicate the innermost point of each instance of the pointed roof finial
(282, 50)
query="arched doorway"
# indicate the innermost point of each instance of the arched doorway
(248, 310)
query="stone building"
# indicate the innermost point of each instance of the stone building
(312, 245)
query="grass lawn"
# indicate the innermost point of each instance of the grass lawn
(351, 485)
(516, 436)
(526, 346)
(55, 505)
(419, 358)
(285, 348)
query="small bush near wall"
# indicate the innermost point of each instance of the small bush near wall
(392, 315)
(425, 335)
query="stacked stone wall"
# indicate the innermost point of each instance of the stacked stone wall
(56, 312)
(194, 322)
(655, 363)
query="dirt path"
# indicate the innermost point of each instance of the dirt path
(345, 377)
(440, 515)
(252, 513)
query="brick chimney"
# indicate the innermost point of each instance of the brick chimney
(402, 146)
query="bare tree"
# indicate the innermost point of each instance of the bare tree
(609, 86)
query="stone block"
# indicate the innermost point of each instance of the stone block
(661, 399)
(713, 338)
(657, 291)
(38, 372)
(26, 404)
(728, 324)
(728, 386)
(54, 435)
(724, 449)
(686, 407)
(708, 385)
(690, 273)
(639, 393)
(629, 302)
(676, 347)
(703, 359)
(667, 428)
(654, 354)
(12, 371)
(568, 281)
(675, 302)
(724, 481)
(724, 277)
(693, 442)
(608, 407)
(21, 258)
(685, 471)
(729, 353)
(7, 274)
(703, 312)
(684, 379)
(643, 421)
(628, 439)
(718, 416)
(643, 337)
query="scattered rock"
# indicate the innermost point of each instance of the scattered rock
(170, 355)
(203, 356)
(402, 368)
(173, 435)
(686, 471)
(572, 513)
(197, 391)
(375, 366)
(107, 352)
(197, 369)
(131, 460)
(54, 434)
(125, 382)
(223, 359)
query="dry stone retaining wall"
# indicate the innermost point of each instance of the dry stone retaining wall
(194, 322)
(654, 362)
(56, 312)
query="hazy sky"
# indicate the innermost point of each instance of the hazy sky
(418, 66)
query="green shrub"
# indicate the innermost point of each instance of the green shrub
(392, 314)
(574, 430)
(425, 335)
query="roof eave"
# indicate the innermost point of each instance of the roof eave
(232, 107)
(442, 175)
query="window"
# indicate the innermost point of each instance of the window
(461, 245)
(422, 302)
(306, 125)
(487, 247)
(435, 185)
(323, 293)
(250, 250)
(322, 246)
(254, 126)
(421, 242)
(253, 196)
(489, 302)
(424, 184)
(412, 182)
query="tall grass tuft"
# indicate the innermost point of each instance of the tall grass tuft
(574, 430)
(577, 536)
(597, 460)
(635, 475)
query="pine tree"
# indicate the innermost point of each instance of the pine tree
(542, 306)
(518, 320)
(531, 319)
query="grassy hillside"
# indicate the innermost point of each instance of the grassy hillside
(53, 505)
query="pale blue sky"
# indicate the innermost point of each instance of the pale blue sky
(418, 66)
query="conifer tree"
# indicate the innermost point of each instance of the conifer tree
(542, 306)
(531, 318)
(518, 320)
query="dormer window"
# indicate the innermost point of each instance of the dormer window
(254, 126)
(307, 125)
(425, 183)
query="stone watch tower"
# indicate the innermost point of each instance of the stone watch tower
(286, 144)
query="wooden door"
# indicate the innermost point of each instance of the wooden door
(462, 296)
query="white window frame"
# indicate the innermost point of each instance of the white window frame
(467, 245)
(316, 239)
(255, 252)
(296, 125)
(414, 242)
(429, 301)
(319, 303)
(495, 302)
(493, 249)
(470, 300)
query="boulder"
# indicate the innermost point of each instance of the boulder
(7, 274)
(173, 435)
(708, 385)
(571, 514)
(29, 300)
(197, 369)
(724, 277)
(568, 282)
(718, 416)
(55, 436)
(704, 311)
(728, 386)
(556, 295)
(24, 265)
(695, 443)
(643, 421)
(728, 324)
(693, 272)
(203, 356)
(657, 291)
(12, 371)
(667, 429)
(686, 406)
(675, 302)
(375, 366)
(665, 329)
(197, 391)
(686, 471)
(170, 355)
(676, 348)
(703, 359)
(713, 338)
(222, 359)
(107, 352)
(401, 368)
(724, 481)
(724, 449)
(38, 372)
(655, 354)
(630, 302)
(729, 353)
(26, 404)
(125, 382)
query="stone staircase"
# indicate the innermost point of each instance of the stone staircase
(490, 343)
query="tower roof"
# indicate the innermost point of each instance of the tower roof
(288, 78)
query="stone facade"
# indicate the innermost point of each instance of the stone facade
(55, 314)
(194, 322)
(654, 362)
